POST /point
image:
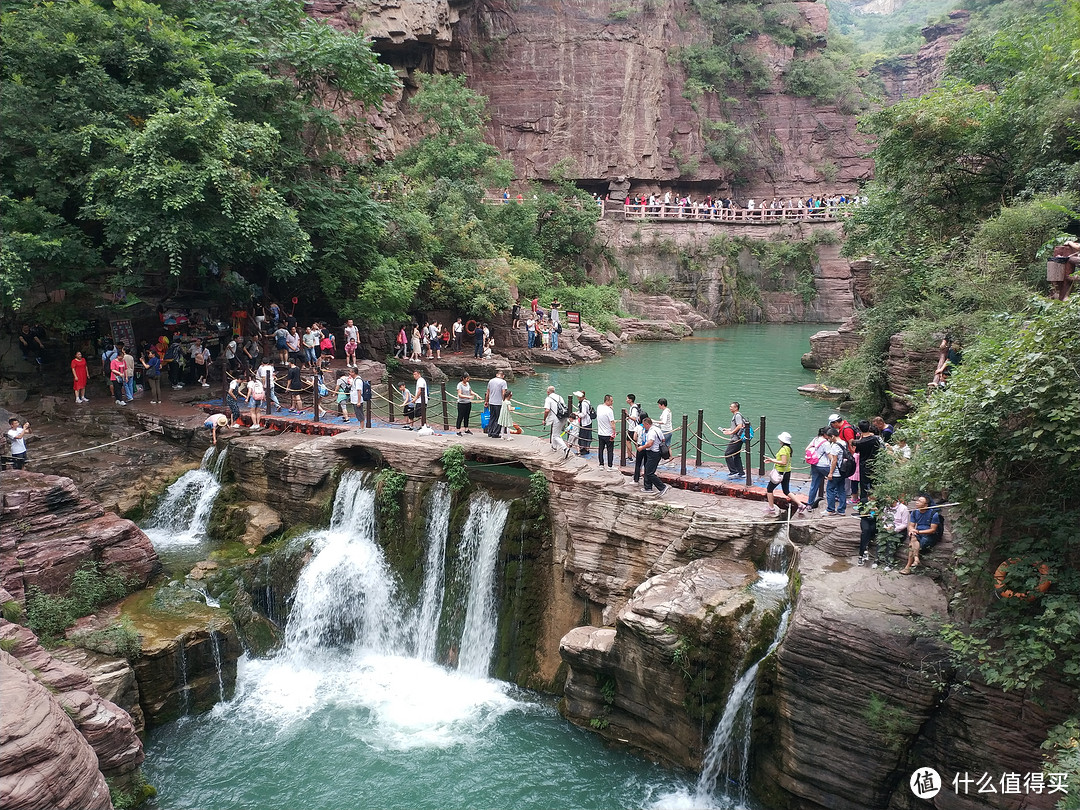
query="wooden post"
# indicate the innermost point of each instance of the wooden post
(269, 394)
(315, 396)
(685, 444)
(749, 470)
(390, 401)
(445, 412)
(761, 448)
(700, 428)
(367, 413)
(423, 406)
(624, 438)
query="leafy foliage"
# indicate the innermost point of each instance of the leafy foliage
(453, 463)
(1004, 442)
(91, 587)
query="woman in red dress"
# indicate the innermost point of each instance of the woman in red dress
(78, 371)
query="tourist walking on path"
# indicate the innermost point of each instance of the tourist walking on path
(478, 341)
(605, 431)
(733, 452)
(152, 374)
(585, 419)
(78, 371)
(293, 386)
(256, 394)
(16, 436)
(639, 457)
(344, 388)
(633, 419)
(819, 468)
(117, 372)
(493, 400)
(420, 397)
(835, 486)
(465, 398)
(781, 475)
(651, 441)
(415, 356)
(553, 407)
(506, 415)
(408, 405)
(129, 375)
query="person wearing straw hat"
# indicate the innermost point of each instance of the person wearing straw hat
(781, 476)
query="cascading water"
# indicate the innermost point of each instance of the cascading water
(431, 595)
(727, 758)
(479, 553)
(346, 594)
(182, 517)
(216, 647)
(181, 678)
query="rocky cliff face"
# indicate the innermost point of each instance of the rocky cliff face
(48, 531)
(593, 81)
(916, 75)
(706, 265)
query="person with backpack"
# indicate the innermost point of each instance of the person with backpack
(586, 414)
(836, 485)
(818, 461)
(733, 452)
(344, 393)
(844, 430)
(652, 439)
(925, 528)
(555, 415)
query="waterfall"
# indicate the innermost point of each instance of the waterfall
(347, 594)
(216, 646)
(479, 553)
(182, 517)
(431, 597)
(181, 671)
(727, 758)
(269, 590)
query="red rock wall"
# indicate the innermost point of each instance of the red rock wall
(47, 532)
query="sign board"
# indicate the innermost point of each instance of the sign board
(573, 317)
(122, 332)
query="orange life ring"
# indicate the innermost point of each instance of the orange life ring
(516, 429)
(1007, 593)
(470, 327)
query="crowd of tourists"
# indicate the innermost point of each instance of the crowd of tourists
(728, 209)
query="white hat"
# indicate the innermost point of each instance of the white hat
(579, 393)
(834, 418)
(785, 438)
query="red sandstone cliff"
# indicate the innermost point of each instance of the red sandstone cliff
(590, 81)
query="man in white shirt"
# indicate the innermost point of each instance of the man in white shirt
(733, 452)
(458, 329)
(351, 332)
(530, 327)
(420, 397)
(651, 440)
(605, 431)
(633, 419)
(552, 420)
(584, 412)
(16, 436)
(493, 401)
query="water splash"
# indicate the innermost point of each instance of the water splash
(183, 516)
(727, 759)
(479, 553)
(346, 594)
(431, 598)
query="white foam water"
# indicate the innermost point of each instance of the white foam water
(183, 516)
(479, 553)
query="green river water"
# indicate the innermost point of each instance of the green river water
(359, 729)
(755, 365)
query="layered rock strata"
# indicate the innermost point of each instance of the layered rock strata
(48, 531)
(632, 683)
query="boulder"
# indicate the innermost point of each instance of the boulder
(262, 521)
(47, 763)
(909, 368)
(829, 345)
(639, 683)
(47, 532)
(104, 725)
